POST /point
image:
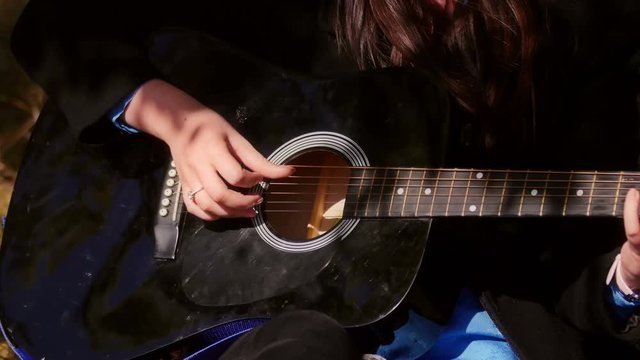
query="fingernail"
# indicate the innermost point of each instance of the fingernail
(259, 201)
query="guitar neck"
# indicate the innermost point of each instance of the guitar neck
(414, 192)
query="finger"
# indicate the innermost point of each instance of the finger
(215, 210)
(192, 205)
(206, 205)
(197, 211)
(188, 184)
(217, 193)
(630, 217)
(255, 161)
(232, 172)
(215, 200)
(630, 252)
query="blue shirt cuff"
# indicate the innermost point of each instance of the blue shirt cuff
(117, 115)
(622, 307)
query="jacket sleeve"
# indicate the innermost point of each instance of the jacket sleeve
(89, 55)
(586, 304)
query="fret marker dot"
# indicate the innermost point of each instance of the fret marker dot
(479, 175)
(580, 192)
(400, 191)
(473, 208)
(427, 191)
(534, 192)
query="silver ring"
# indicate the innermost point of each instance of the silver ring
(192, 194)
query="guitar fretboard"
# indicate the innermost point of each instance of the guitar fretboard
(402, 192)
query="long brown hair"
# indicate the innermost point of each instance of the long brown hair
(482, 49)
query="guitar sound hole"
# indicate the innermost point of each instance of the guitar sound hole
(310, 202)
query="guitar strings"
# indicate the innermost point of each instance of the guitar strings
(452, 179)
(517, 187)
(575, 172)
(438, 189)
(530, 184)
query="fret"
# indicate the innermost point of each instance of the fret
(556, 190)
(546, 191)
(399, 192)
(407, 192)
(512, 194)
(433, 191)
(355, 191)
(370, 181)
(484, 185)
(426, 191)
(419, 191)
(451, 186)
(493, 193)
(578, 194)
(457, 192)
(615, 203)
(466, 191)
(378, 189)
(566, 195)
(413, 194)
(604, 194)
(533, 193)
(475, 186)
(593, 184)
(504, 190)
(392, 209)
(522, 195)
(443, 192)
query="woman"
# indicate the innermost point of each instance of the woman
(532, 84)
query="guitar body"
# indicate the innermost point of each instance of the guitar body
(80, 275)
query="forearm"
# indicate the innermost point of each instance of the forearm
(161, 110)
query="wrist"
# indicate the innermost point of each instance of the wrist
(629, 266)
(160, 109)
(630, 292)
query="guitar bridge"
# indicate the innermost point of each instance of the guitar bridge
(167, 217)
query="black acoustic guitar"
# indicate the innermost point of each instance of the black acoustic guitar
(100, 260)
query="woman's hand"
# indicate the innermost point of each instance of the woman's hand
(630, 252)
(208, 152)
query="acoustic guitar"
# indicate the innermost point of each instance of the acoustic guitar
(101, 261)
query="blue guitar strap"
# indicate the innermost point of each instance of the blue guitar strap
(208, 345)
(215, 341)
